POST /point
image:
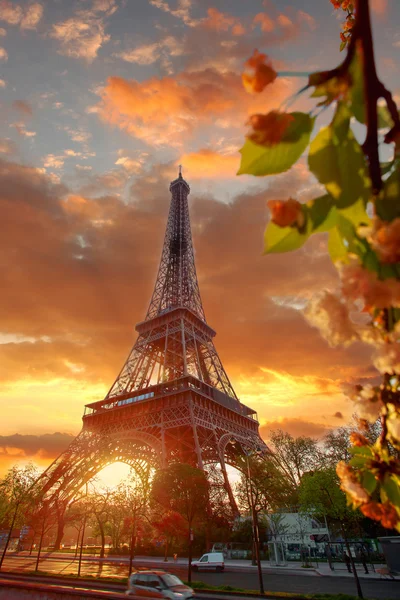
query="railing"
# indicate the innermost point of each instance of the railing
(179, 385)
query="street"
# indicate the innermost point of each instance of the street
(283, 582)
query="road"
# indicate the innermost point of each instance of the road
(282, 582)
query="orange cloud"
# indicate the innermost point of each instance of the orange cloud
(209, 164)
(289, 25)
(23, 107)
(40, 449)
(7, 146)
(265, 21)
(170, 109)
(15, 14)
(79, 38)
(295, 427)
(218, 21)
(82, 35)
(182, 11)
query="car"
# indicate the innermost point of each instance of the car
(209, 562)
(158, 584)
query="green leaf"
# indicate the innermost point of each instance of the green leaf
(355, 244)
(344, 239)
(384, 118)
(358, 462)
(340, 125)
(321, 214)
(388, 271)
(387, 167)
(361, 451)
(391, 489)
(387, 204)
(269, 160)
(322, 161)
(357, 96)
(337, 161)
(282, 239)
(356, 213)
(369, 482)
(336, 247)
(371, 262)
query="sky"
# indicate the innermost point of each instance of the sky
(101, 100)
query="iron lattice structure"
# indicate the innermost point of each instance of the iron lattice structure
(172, 400)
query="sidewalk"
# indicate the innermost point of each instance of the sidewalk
(340, 570)
(322, 569)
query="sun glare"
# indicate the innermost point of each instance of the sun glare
(112, 475)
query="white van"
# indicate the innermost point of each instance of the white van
(209, 562)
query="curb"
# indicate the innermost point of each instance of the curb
(249, 594)
(58, 589)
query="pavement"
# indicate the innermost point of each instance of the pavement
(238, 574)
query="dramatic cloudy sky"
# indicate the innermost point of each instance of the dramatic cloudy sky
(100, 101)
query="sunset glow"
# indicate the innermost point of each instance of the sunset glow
(101, 101)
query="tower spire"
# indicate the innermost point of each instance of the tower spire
(174, 339)
(176, 283)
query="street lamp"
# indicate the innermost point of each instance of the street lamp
(83, 535)
(256, 536)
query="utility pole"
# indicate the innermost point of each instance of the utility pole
(132, 546)
(256, 537)
(83, 537)
(189, 577)
(9, 534)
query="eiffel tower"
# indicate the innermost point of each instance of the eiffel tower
(172, 400)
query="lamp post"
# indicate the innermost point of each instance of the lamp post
(256, 537)
(83, 536)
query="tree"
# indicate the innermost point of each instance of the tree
(60, 509)
(294, 455)
(360, 212)
(171, 526)
(276, 526)
(41, 518)
(116, 517)
(220, 516)
(337, 443)
(77, 510)
(183, 489)
(99, 509)
(243, 531)
(270, 487)
(321, 496)
(14, 497)
(262, 489)
(134, 496)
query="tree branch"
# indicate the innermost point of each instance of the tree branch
(371, 92)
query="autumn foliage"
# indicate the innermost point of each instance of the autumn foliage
(359, 212)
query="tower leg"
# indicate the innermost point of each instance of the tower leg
(84, 458)
(196, 439)
(163, 451)
(60, 513)
(232, 500)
